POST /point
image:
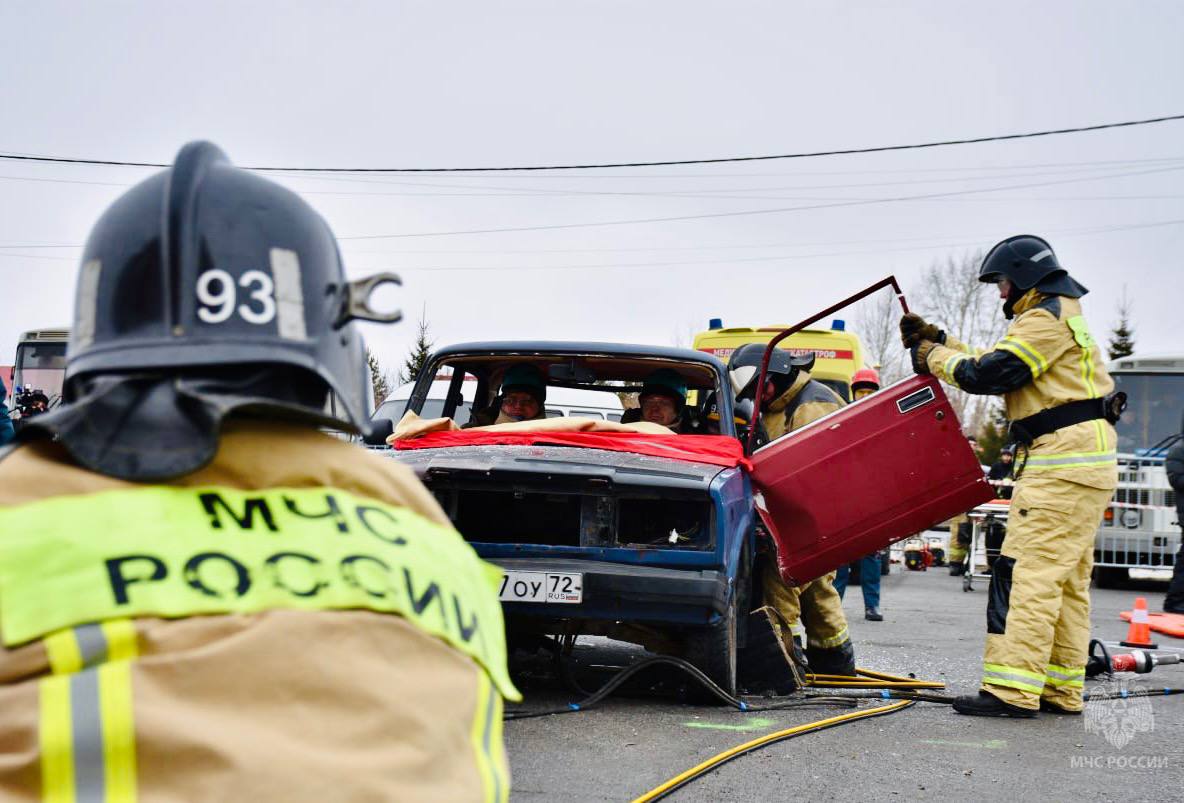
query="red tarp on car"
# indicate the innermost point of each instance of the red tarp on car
(716, 450)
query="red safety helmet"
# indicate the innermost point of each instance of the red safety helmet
(868, 378)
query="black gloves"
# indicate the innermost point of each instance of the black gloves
(919, 354)
(914, 329)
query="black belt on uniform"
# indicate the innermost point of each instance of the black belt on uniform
(1027, 430)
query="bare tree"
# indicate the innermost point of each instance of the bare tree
(878, 319)
(952, 297)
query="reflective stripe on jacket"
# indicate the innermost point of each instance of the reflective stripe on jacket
(1047, 358)
(338, 653)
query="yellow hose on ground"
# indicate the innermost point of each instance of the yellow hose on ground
(706, 766)
(868, 679)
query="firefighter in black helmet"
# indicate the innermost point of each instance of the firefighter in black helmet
(180, 537)
(790, 400)
(1053, 380)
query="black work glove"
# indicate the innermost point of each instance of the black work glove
(914, 329)
(920, 355)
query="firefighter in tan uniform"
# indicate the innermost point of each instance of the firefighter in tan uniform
(202, 595)
(956, 550)
(814, 610)
(1050, 372)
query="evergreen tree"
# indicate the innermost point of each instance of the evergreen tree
(1122, 336)
(378, 378)
(419, 352)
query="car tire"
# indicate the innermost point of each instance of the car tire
(712, 650)
(1110, 576)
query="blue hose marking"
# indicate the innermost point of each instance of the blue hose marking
(887, 695)
(1122, 693)
(573, 706)
(743, 706)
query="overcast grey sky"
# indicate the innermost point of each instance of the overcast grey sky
(505, 83)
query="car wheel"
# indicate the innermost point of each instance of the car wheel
(1110, 576)
(712, 650)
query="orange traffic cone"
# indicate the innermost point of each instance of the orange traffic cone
(1139, 632)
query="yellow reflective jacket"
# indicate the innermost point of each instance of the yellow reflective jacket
(296, 621)
(804, 401)
(1047, 358)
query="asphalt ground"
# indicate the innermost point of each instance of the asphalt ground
(640, 738)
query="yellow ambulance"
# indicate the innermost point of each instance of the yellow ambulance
(838, 353)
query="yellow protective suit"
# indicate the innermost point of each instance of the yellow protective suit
(955, 552)
(816, 604)
(295, 621)
(1038, 612)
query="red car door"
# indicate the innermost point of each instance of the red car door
(876, 471)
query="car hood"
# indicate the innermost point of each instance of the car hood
(561, 461)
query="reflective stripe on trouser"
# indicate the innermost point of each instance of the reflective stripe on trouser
(88, 749)
(486, 736)
(815, 605)
(1043, 647)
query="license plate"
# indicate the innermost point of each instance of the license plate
(542, 587)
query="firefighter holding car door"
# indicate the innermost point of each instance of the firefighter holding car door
(792, 400)
(203, 596)
(1051, 374)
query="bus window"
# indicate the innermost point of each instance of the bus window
(1154, 409)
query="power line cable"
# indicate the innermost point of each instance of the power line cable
(500, 191)
(751, 212)
(967, 243)
(740, 260)
(664, 163)
(698, 247)
(738, 213)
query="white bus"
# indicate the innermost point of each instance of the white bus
(40, 364)
(1140, 528)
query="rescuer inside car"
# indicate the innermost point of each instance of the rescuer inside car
(203, 596)
(790, 400)
(663, 398)
(524, 392)
(1050, 372)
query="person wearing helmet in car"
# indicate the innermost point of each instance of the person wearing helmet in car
(524, 392)
(791, 400)
(203, 595)
(864, 383)
(662, 399)
(1052, 376)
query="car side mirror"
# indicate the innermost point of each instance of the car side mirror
(378, 431)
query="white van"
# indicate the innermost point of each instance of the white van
(570, 402)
